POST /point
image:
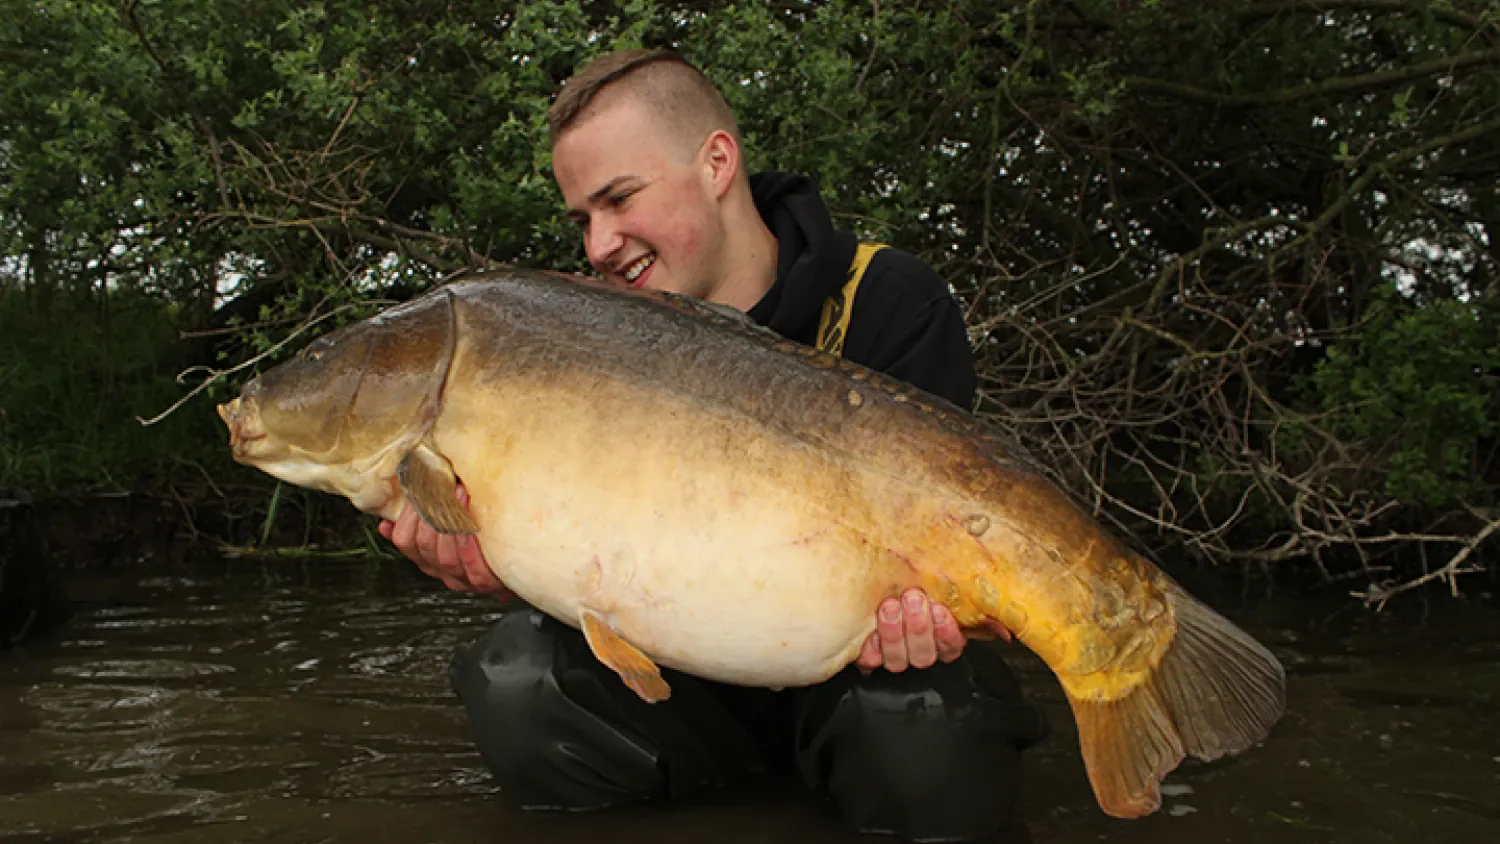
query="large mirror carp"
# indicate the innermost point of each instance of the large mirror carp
(695, 492)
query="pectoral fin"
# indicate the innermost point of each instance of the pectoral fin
(431, 487)
(634, 667)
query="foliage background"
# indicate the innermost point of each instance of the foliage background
(1230, 268)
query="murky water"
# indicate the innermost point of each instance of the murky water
(292, 702)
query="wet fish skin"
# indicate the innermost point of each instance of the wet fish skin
(696, 492)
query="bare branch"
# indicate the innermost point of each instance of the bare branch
(1413, 7)
(1338, 85)
(1377, 594)
(215, 375)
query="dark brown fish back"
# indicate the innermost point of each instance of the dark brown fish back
(678, 342)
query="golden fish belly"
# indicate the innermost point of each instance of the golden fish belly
(715, 547)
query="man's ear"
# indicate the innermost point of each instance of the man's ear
(721, 160)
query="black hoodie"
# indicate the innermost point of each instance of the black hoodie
(905, 322)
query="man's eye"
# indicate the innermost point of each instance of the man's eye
(619, 198)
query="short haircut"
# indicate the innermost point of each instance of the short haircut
(676, 92)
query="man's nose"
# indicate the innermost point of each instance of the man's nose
(601, 243)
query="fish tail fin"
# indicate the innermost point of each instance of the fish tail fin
(1215, 693)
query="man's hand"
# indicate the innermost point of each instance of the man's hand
(914, 633)
(455, 560)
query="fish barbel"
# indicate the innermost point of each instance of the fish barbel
(692, 491)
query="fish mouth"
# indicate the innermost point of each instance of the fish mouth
(237, 418)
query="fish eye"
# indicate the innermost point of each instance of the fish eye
(313, 352)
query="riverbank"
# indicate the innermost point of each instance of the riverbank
(112, 530)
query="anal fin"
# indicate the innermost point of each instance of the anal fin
(431, 487)
(635, 668)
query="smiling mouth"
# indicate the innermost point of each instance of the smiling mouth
(638, 267)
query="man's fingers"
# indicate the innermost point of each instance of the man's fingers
(892, 636)
(404, 531)
(447, 554)
(471, 559)
(948, 635)
(921, 650)
(400, 527)
(869, 655)
(427, 543)
(457, 561)
(1002, 631)
(455, 585)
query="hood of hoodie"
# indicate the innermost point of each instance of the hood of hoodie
(812, 257)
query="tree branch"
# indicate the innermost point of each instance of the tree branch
(1415, 7)
(1378, 594)
(1337, 85)
(215, 374)
(133, 23)
(399, 238)
(1393, 161)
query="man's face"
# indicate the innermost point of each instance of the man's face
(645, 207)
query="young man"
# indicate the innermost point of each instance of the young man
(648, 158)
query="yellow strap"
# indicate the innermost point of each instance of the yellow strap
(834, 323)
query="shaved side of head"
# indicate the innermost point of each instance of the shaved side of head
(676, 94)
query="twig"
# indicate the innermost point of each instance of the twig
(1378, 593)
(874, 50)
(1420, 8)
(1338, 85)
(216, 374)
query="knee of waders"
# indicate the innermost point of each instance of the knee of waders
(546, 748)
(927, 755)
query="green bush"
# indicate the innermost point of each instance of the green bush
(1415, 385)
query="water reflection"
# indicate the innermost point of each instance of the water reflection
(309, 703)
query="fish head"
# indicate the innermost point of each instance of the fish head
(298, 411)
(341, 414)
